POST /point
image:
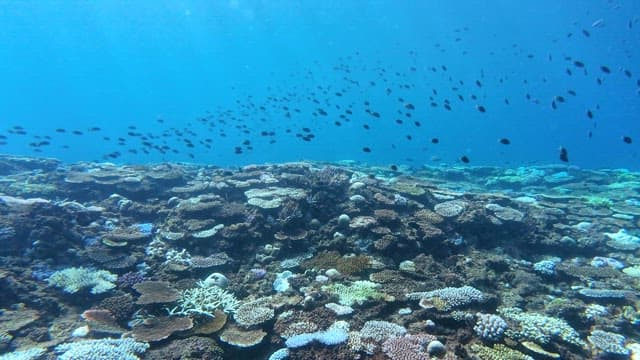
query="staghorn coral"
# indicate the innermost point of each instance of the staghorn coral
(205, 300)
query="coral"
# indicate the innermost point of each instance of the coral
(505, 213)
(539, 328)
(339, 309)
(273, 197)
(156, 292)
(601, 261)
(121, 349)
(28, 354)
(208, 233)
(212, 260)
(450, 208)
(380, 331)
(603, 293)
(334, 335)
(102, 321)
(281, 283)
(73, 279)
(448, 298)
(211, 325)
(194, 347)
(408, 347)
(633, 271)
(622, 240)
(204, 300)
(279, 354)
(254, 312)
(498, 352)
(236, 336)
(490, 327)
(130, 278)
(356, 293)
(547, 266)
(160, 328)
(608, 342)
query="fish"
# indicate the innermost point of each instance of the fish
(627, 139)
(366, 149)
(465, 159)
(505, 141)
(564, 154)
(481, 108)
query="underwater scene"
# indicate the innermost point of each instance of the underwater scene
(384, 180)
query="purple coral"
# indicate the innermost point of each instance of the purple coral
(129, 279)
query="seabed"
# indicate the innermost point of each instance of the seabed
(313, 260)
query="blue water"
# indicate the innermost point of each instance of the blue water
(113, 64)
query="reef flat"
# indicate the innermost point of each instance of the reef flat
(313, 260)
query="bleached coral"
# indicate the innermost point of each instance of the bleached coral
(205, 300)
(121, 349)
(73, 279)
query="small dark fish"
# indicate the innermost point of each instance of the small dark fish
(94, 129)
(553, 105)
(366, 126)
(569, 72)
(505, 141)
(578, 64)
(394, 167)
(366, 149)
(76, 132)
(571, 92)
(478, 83)
(338, 123)
(586, 33)
(559, 99)
(590, 114)
(60, 130)
(464, 159)
(605, 69)
(481, 108)
(447, 106)
(435, 140)
(375, 114)
(409, 137)
(409, 106)
(628, 73)
(564, 155)
(417, 123)
(627, 139)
